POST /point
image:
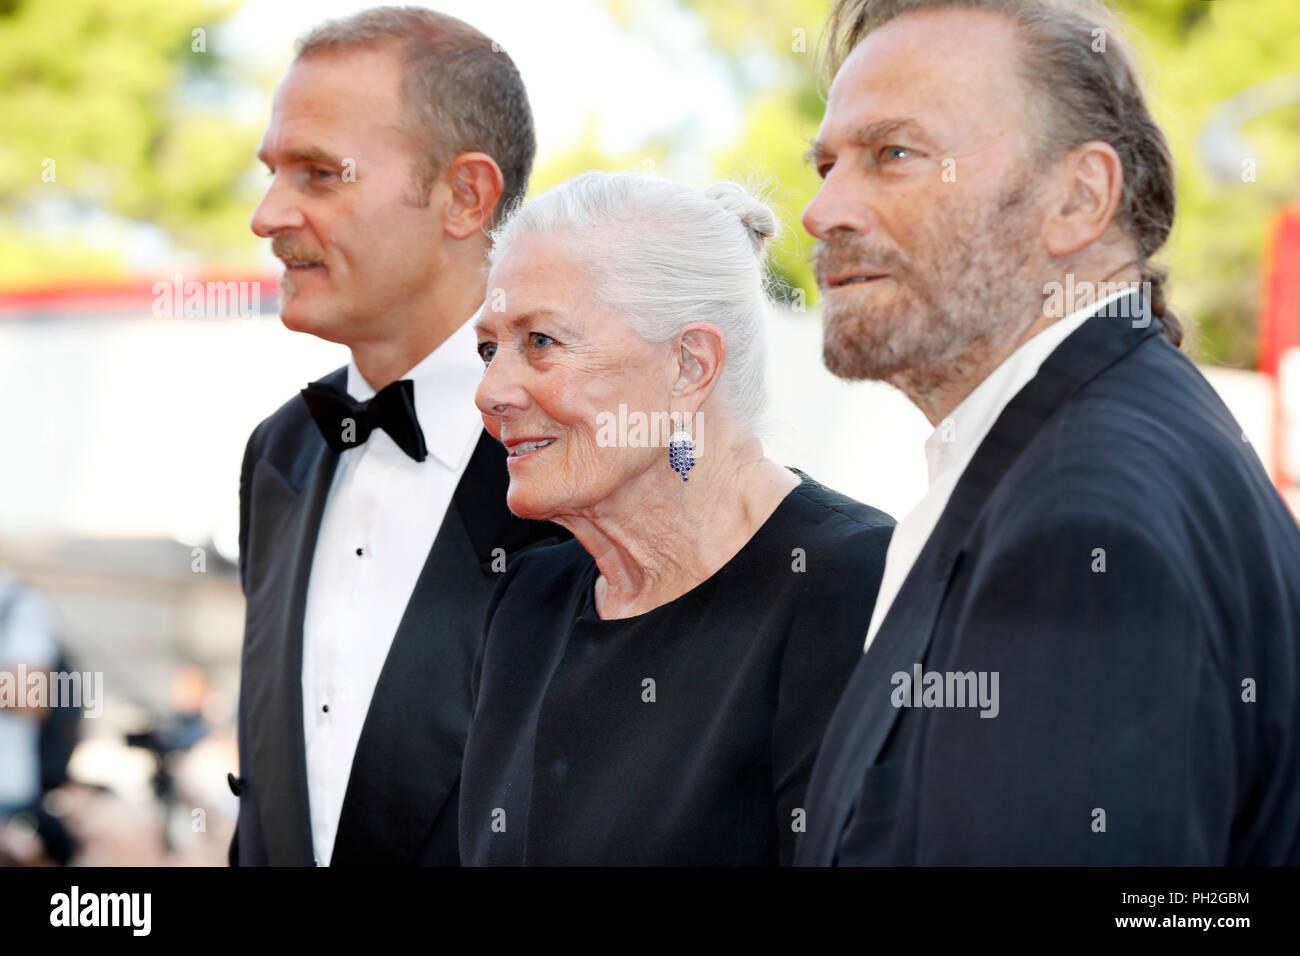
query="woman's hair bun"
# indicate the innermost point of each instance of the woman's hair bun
(753, 213)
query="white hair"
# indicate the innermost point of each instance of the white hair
(664, 255)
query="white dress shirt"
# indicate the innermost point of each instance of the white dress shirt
(381, 517)
(953, 444)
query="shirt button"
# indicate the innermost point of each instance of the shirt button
(325, 708)
(360, 552)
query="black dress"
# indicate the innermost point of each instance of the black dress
(682, 736)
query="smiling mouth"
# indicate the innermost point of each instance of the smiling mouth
(528, 447)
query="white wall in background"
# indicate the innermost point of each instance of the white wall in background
(137, 427)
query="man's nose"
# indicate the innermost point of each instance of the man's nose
(278, 210)
(839, 204)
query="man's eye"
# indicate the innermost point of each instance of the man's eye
(321, 173)
(486, 350)
(540, 340)
(892, 152)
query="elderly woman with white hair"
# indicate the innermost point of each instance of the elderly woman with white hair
(654, 691)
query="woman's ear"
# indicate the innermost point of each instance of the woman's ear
(701, 355)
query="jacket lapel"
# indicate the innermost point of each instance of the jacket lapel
(865, 715)
(272, 669)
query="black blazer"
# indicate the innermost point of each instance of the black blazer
(400, 805)
(1148, 712)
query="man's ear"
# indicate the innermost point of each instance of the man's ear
(1088, 183)
(702, 353)
(475, 185)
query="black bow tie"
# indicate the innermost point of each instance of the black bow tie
(346, 423)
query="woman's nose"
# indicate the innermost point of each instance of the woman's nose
(500, 392)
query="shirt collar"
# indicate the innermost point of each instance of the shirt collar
(444, 381)
(955, 438)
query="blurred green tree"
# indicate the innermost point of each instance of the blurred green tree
(115, 106)
(1197, 55)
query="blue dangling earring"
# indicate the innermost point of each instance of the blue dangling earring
(681, 452)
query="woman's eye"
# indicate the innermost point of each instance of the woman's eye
(540, 340)
(486, 350)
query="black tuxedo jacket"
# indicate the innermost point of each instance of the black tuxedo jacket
(401, 800)
(1116, 554)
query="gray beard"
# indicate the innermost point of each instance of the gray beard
(940, 327)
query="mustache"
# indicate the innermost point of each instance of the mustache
(284, 247)
(845, 252)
